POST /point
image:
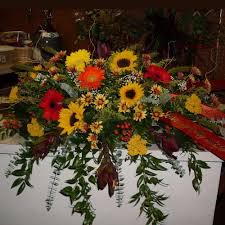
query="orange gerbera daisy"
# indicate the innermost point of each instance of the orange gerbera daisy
(91, 78)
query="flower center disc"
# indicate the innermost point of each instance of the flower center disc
(130, 94)
(123, 63)
(73, 119)
(52, 105)
(92, 78)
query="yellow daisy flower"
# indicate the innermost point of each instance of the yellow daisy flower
(137, 146)
(123, 61)
(100, 101)
(131, 93)
(78, 60)
(13, 96)
(139, 107)
(156, 89)
(99, 62)
(35, 129)
(87, 99)
(96, 127)
(123, 107)
(93, 138)
(157, 113)
(94, 145)
(193, 104)
(71, 118)
(139, 115)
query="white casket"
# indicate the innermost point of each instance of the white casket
(185, 206)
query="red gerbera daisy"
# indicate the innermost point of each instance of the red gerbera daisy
(157, 73)
(91, 78)
(51, 103)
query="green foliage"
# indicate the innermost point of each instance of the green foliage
(24, 162)
(79, 192)
(151, 198)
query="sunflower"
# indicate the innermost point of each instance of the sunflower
(91, 77)
(87, 99)
(78, 60)
(193, 104)
(131, 93)
(123, 61)
(71, 118)
(100, 101)
(51, 103)
(137, 146)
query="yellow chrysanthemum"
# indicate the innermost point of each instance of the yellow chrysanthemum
(87, 99)
(193, 104)
(78, 60)
(33, 75)
(137, 146)
(123, 61)
(38, 68)
(100, 101)
(13, 96)
(96, 127)
(71, 118)
(131, 93)
(35, 129)
(123, 107)
(156, 89)
(139, 115)
(157, 113)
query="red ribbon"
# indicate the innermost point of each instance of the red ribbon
(200, 135)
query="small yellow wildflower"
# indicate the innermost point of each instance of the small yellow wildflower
(87, 99)
(139, 115)
(156, 89)
(157, 113)
(100, 101)
(35, 129)
(96, 127)
(123, 107)
(139, 107)
(93, 138)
